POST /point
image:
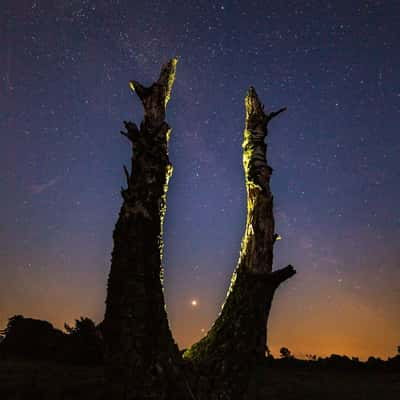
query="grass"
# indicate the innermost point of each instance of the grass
(312, 382)
(23, 380)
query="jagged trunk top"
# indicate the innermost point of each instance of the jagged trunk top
(156, 97)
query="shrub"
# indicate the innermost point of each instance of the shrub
(30, 338)
(84, 342)
(285, 352)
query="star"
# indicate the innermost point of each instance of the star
(194, 303)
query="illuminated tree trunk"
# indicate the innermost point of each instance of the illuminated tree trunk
(225, 357)
(142, 359)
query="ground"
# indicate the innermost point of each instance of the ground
(20, 380)
(308, 383)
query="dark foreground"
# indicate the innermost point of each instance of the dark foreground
(278, 380)
(312, 382)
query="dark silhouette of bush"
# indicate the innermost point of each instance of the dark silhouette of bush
(84, 342)
(333, 362)
(394, 363)
(338, 361)
(285, 352)
(311, 357)
(375, 362)
(31, 339)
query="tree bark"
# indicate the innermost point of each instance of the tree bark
(142, 359)
(225, 357)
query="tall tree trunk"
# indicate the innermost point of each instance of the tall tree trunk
(142, 359)
(225, 357)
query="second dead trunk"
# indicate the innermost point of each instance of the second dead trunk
(225, 357)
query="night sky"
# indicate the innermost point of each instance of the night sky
(65, 68)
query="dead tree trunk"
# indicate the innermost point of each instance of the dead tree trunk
(142, 359)
(225, 357)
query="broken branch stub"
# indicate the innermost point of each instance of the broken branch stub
(155, 98)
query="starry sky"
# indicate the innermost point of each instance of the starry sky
(64, 72)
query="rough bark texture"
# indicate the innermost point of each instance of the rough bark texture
(225, 357)
(142, 359)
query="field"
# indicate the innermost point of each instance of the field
(311, 383)
(21, 380)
